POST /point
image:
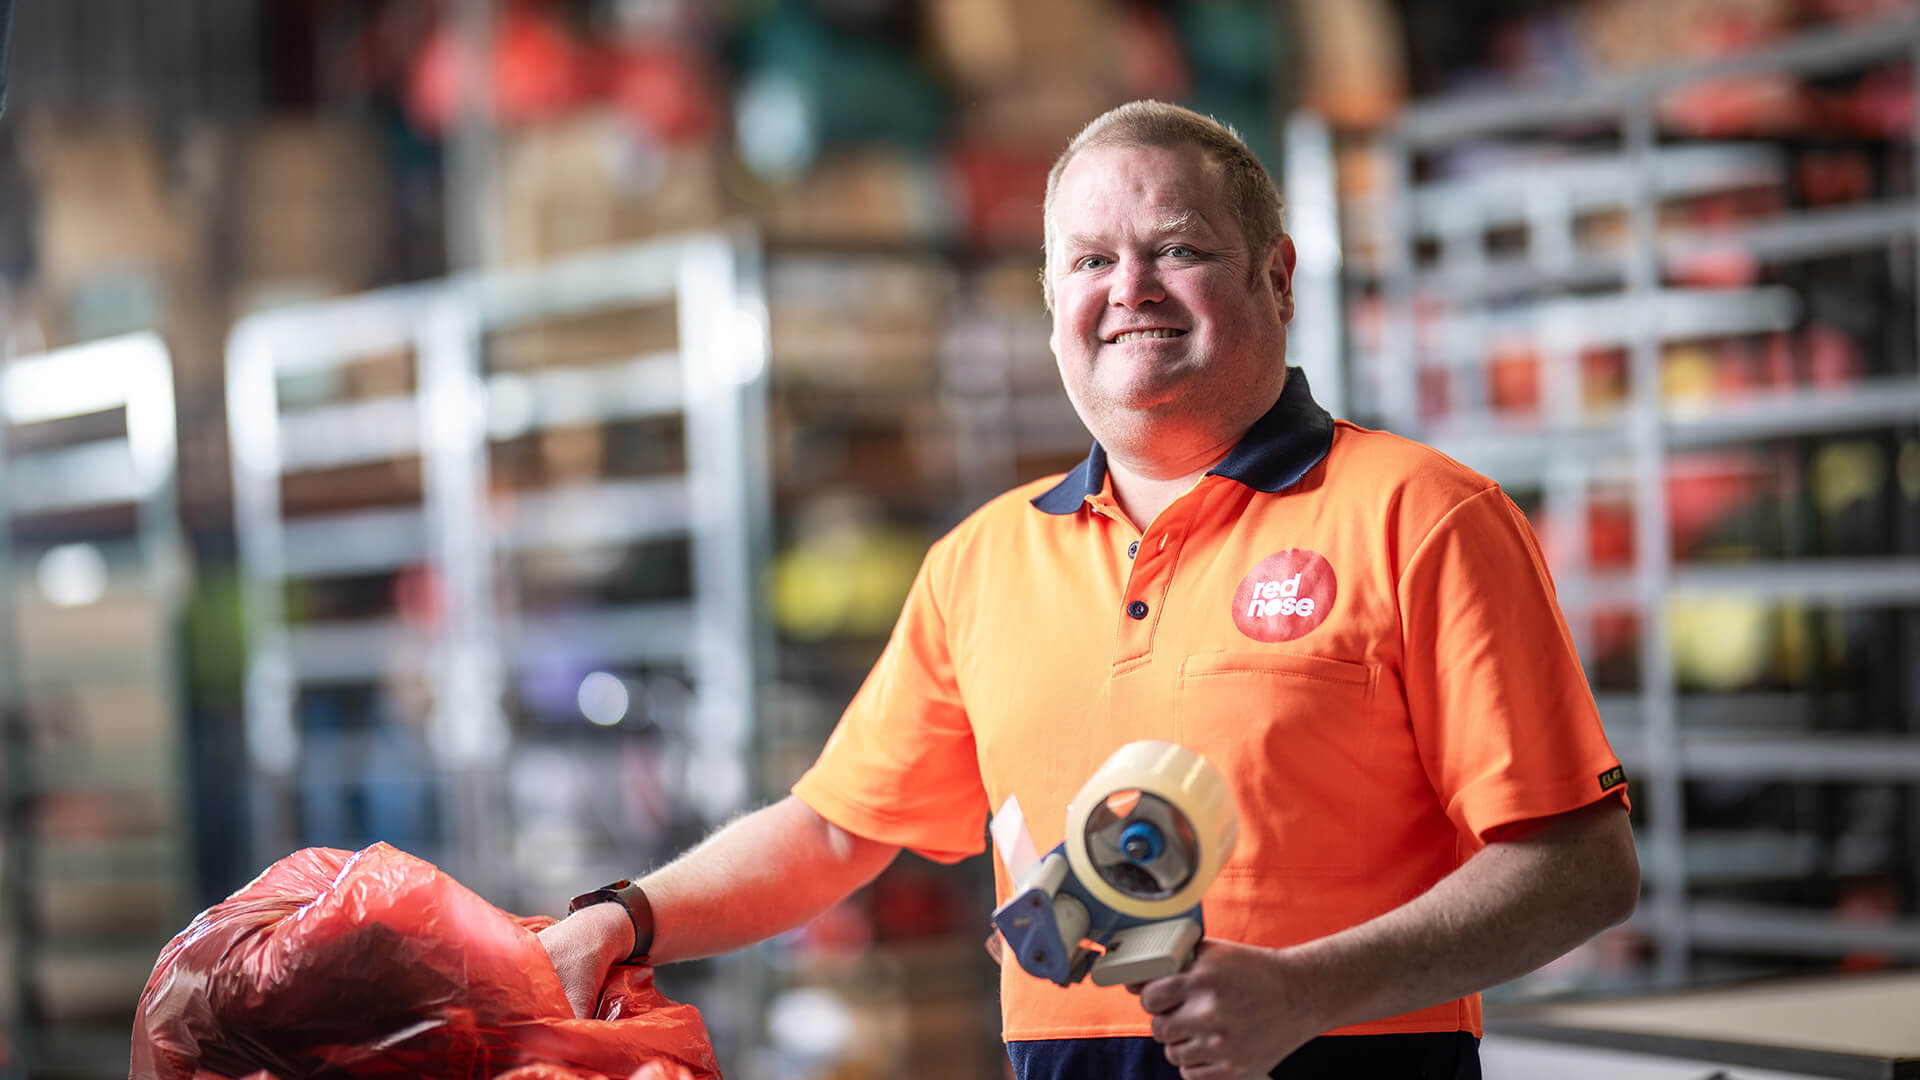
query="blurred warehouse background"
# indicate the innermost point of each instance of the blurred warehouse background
(507, 429)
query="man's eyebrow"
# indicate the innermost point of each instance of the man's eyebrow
(1183, 222)
(1175, 223)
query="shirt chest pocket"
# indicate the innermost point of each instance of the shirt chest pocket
(1293, 735)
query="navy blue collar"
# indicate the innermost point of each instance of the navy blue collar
(1280, 448)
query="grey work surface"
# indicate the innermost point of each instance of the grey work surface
(1864, 1026)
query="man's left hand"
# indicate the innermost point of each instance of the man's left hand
(1233, 1015)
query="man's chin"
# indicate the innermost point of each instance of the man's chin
(1131, 412)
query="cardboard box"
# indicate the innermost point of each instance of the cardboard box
(314, 205)
(592, 180)
(981, 43)
(107, 203)
(869, 196)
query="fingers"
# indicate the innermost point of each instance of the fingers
(1186, 1036)
(1162, 995)
(1201, 1052)
(1216, 1072)
(1208, 1057)
(1178, 1028)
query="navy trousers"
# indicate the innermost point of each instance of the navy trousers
(1452, 1055)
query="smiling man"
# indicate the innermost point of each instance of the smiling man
(1357, 632)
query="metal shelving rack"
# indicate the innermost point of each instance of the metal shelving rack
(458, 410)
(95, 779)
(1665, 739)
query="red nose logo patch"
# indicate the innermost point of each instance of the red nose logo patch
(1286, 596)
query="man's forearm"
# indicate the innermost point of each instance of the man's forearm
(761, 875)
(1511, 908)
(1240, 1009)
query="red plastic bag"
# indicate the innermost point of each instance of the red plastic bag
(377, 964)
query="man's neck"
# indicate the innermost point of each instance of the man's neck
(1144, 492)
(1153, 462)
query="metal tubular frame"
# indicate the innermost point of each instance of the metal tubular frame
(718, 383)
(133, 372)
(1635, 445)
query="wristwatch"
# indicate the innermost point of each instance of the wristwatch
(628, 895)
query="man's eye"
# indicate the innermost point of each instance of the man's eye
(1091, 262)
(1181, 251)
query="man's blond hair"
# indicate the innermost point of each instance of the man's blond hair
(1251, 196)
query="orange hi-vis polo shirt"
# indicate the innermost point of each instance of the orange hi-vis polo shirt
(1359, 633)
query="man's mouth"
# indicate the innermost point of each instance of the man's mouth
(1136, 335)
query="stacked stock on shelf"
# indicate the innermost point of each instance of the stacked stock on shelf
(1687, 348)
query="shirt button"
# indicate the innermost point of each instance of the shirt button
(1137, 609)
(1133, 549)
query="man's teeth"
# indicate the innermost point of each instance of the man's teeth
(1134, 335)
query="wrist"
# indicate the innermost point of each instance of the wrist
(622, 903)
(610, 930)
(1307, 965)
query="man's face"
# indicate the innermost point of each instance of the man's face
(1155, 314)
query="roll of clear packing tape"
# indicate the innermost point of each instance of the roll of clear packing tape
(1184, 781)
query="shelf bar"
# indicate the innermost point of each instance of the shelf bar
(350, 433)
(576, 285)
(1875, 402)
(1588, 184)
(1504, 445)
(367, 541)
(1811, 757)
(1813, 52)
(1518, 276)
(1618, 319)
(617, 512)
(363, 649)
(638, 634)
(639, 387)
(357, 326)
(1808, 234)
(360, 541)
(1515, 451)
(386, 320)
(1805, 234)
(1850, 582)
(1861, 582)
(1746, 711)
(387, 427)
(1800, 933)
(98, 473)
(354, 650)
(1751, 855)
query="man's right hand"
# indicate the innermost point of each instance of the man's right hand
(584, 946)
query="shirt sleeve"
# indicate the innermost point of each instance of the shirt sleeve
(901, 767)
(1504, 720)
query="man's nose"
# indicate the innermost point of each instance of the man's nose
(1136, 282)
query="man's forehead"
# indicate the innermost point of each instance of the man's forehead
(1173, 180)
(1186, 165)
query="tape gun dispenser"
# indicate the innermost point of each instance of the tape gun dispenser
(1146, 835)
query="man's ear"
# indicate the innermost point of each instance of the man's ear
(1280, 275)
